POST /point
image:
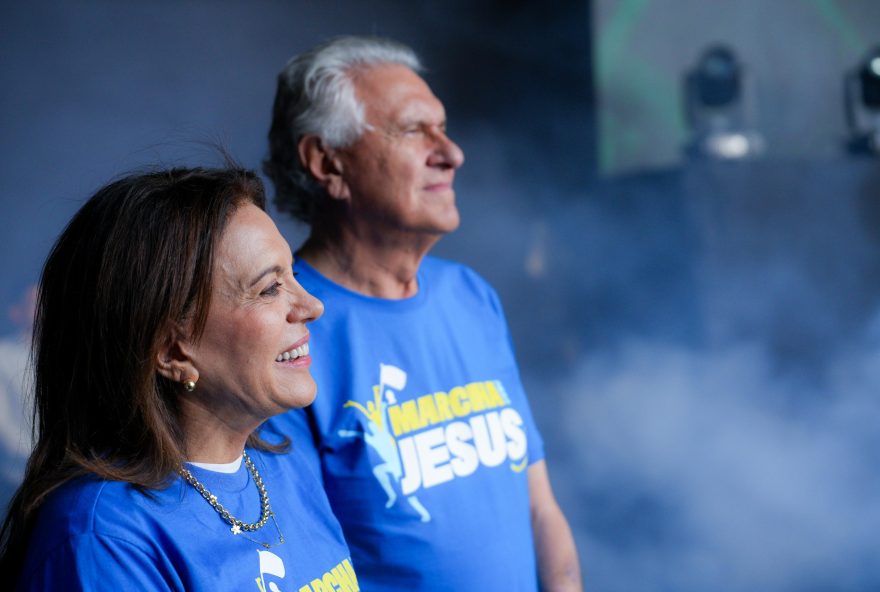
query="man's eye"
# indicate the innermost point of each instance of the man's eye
(271, 290)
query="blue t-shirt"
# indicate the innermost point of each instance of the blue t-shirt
(423, 433)
(105, 535)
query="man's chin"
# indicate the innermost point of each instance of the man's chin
(453, 226)
(447, 223)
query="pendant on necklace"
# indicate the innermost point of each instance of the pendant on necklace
(236, 529)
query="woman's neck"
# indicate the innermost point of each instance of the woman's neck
(208, 439)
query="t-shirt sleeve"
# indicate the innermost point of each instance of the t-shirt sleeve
(99, 563)
(535, 442)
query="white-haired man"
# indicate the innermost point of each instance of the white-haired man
(421, 428)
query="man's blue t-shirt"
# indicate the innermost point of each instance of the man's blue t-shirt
(423, 433)
(104, 535)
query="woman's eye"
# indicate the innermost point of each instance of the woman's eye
(271, 290)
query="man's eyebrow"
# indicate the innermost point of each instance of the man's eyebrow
(264, 273)
(405, 122)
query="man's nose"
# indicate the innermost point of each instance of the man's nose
(447, 152)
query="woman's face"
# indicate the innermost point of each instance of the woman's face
(256, 321)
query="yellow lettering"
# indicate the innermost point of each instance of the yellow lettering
(458, 400)
(318, 586)
(345, 583)
(404, 418)
(494, 398)
(427, 411)
(351, 575)
(330, 582)
(433, 409)
(477, 396)
(305, 588)
(441, 399)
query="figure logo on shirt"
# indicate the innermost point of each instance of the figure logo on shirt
(341, 577)
(270, 565)
(389, 471)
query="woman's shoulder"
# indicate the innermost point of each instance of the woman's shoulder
(89, 507)
(86, 505)
(92, 533)
(71, 520)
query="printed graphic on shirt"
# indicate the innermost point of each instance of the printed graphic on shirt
(378, 435)
(341, 578)
(475, 426)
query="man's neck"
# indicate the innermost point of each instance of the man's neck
(378, 268)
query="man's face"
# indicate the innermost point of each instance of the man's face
(399, 173)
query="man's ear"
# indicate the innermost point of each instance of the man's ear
(325, 166)
(174, 360)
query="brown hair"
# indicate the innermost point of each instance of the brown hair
(136, 259)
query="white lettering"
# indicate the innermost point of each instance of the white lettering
(434, 457)
(440, 454)
(490, 442)
(411, 477)
(464, 456)
(511, 422)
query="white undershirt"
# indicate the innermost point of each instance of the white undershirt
(230, 467)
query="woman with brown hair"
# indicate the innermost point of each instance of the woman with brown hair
(169, 327)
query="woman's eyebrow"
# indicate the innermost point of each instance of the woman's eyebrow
(264, 273)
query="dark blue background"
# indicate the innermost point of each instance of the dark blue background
(701, 344)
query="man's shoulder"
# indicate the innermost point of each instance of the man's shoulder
(456, 281)
(445, 271)
(438, 265)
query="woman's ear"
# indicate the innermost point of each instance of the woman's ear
(173, 360)
(325, 166)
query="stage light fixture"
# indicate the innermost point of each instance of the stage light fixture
(870, 79)
(717, 78)
(862, 95)
(718, 107)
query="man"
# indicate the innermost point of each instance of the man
(424, 437)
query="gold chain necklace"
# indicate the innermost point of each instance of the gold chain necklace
(238, 525)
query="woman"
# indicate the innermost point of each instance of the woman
(169, 327)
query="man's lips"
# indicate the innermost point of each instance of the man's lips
(443, 186)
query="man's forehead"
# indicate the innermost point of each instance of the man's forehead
(390, 81)
(372, 72)
(388, 88)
